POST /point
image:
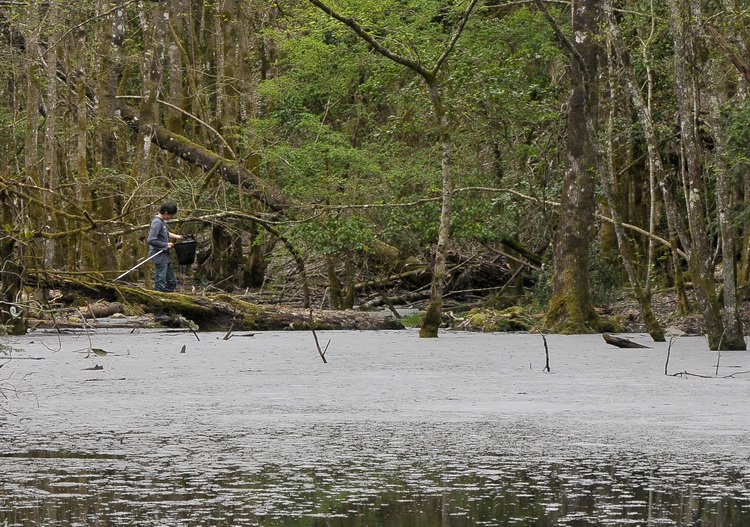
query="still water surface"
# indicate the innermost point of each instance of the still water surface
(394, 430)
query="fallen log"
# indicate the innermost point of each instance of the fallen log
(621, 342)
(210, 313)
(98, 310)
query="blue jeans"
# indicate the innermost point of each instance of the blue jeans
(164, 278)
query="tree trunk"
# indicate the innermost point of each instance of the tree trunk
(733, 338)
(218, 312)
(231, 171)
(258, 257)
(32, 153)
(151, 72)
(655, 164)
(11, 283)
(700, 257)
(178, 21)
(609, 184)
(334, 285)
(55, 250)
(433, 316)
(225, 259)
(571, 309)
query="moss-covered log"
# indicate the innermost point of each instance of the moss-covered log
(198, 155)
(217, 312)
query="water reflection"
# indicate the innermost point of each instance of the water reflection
(95, 489)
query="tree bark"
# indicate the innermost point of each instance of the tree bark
(571, 309)
(608, 185)
(733, 337)
(655, 165)
(11, 286)
(700, 257)
(433, 316)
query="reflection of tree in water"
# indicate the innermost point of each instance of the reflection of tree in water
(575, 493)
(379, 490)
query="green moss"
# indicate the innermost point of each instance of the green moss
(133, 310)
(432, 320)
(248, 323)
(493, 320)
(81, 301)
(414, 320)
(609, 325)
(569, 314)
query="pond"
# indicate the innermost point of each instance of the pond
(154, 427)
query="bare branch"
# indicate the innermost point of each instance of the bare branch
(413, 65)
(367, 37)
(736, 59)
(456, 33)
(564, 40)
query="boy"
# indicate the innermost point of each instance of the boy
(158, 240)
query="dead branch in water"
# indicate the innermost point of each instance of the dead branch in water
(669, 352)
(322, 353)
(688, 374)
(621, 342)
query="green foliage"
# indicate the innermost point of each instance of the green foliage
(336, 235)
(341, 124)
(606, 277)
(737, 128)
(477, 218)
(542, 289)
(412, 228)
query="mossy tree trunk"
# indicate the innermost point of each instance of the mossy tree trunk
(334, 286)
(571, 309)
(258, 257)
(225, 259)
(434, 314)
(350, 289)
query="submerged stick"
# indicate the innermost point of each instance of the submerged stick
(228, 334)
(621, 342)
(669, 351)
(321, 352)
(718, 357)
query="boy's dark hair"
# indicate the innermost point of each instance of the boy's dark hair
(168, 208)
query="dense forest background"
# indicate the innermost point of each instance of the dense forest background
(549, 155)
